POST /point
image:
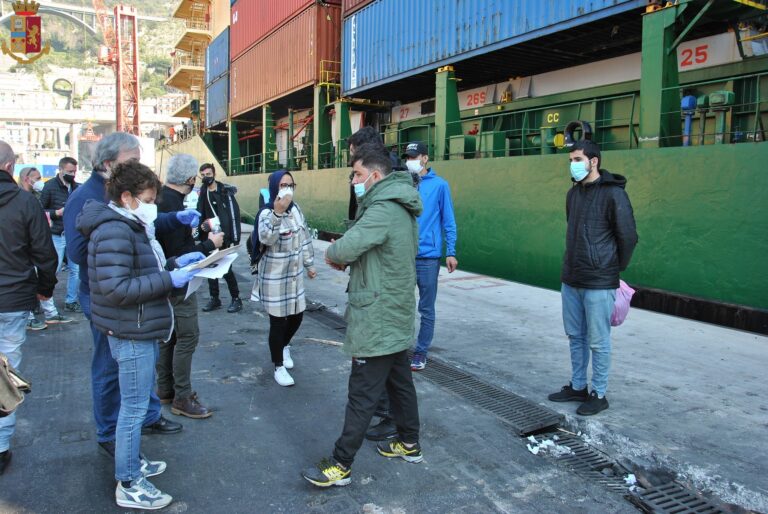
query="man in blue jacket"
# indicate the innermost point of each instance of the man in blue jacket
(436, 221)
(111, 150)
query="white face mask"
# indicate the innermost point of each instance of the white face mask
(286, 191)
(146, 212)
(38, 186)
(414, 166)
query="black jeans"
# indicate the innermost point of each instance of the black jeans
(281, 331)
(234, 290)
(370, 376)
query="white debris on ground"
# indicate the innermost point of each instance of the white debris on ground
(631, 482)
(547, 446)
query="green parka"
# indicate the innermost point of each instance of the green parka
(381, 250)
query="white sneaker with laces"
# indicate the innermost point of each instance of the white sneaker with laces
(282, 377)
(141, 495)
(287, 360)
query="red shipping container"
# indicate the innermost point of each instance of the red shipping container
(253, 20)
(350, 6)
(287, 60)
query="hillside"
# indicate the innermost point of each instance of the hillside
(74, 48)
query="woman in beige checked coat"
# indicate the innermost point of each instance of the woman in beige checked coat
(287, 251)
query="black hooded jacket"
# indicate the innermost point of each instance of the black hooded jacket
(601, 234)
(129, 292)
(221, 203)
(27, 256)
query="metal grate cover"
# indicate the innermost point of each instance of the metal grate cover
(521, 414)
(673, 498)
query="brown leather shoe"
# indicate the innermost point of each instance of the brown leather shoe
(190, 407)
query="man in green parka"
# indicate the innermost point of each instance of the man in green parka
(380, 249)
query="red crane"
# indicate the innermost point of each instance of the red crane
(121, 53)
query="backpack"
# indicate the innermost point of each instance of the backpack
(254, 247)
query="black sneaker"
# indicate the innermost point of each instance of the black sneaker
(73, 307)
(326, 473)
(593, 405)
(212, 305)
(382, 431)
(396, 448)
(569, 394)
(162, 426)
(235, 306)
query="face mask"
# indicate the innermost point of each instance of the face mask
(360, 188)
(207, 181)
(38, 186)
(146, 212)
(69, 179)
(414, 166)
(286, 191)
(579, 171)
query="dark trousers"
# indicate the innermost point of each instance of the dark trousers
(174, 364)
(234, 290)
(370, 376)
(105, 384)
(281, 331)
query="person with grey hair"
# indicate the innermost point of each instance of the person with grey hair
(112, 150)
(174, 364)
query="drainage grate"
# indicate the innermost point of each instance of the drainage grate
(673, 498)
(521, 414)
(327, 318)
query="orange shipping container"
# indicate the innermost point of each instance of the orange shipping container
(287, 60)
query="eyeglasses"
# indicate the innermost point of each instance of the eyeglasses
(293, 185)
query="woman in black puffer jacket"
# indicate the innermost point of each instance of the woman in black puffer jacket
(130, 285)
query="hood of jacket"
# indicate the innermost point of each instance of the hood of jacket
(397, 187)
(8, 188)
(606, 178)
(96, 213)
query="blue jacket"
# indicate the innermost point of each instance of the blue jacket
(77, 244)
(436, 219)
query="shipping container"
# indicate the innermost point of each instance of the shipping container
(288, 60)
(350, 6)
(379, 46)
(217, 101)
(252, 20)
(217, 58)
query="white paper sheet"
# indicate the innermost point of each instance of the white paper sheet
(216, 270)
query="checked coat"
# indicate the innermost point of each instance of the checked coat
(288, 250)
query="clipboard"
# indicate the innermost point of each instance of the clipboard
(214, 257)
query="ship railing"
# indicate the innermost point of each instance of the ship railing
(200, 25)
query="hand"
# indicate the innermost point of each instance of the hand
(180, 277)
(60, 212)
(451, 263)
(281, 204)
(188, 217)
(189, 258)
(311, 273)
(217, 238)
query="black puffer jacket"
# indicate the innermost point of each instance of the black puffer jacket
(27, 256)
(54, 197)
(129, 292)
(601, 233)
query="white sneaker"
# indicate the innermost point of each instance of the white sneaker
(282, 377)
(141, 495)
(150, 468)
(287, 361)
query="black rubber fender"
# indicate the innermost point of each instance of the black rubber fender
(586, 131)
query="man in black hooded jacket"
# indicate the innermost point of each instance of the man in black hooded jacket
(27, 272)
(600, 239)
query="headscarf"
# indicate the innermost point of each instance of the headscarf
(274, 188)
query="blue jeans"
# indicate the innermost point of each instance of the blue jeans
(13, 333)
(587, 321)
(73, 281)
(136, 362)
(105, 384)
(427, 271)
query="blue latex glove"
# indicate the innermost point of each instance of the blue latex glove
(180, 277)
(188, 217)
(189, 258)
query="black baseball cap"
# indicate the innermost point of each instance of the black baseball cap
(415, 149)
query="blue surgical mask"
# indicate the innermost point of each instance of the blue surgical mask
(360, 188)
(579, 170)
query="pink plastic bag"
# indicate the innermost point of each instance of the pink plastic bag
(621, 304)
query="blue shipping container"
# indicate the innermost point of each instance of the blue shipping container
(217, 101)
(392, 39)
(217, 57)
